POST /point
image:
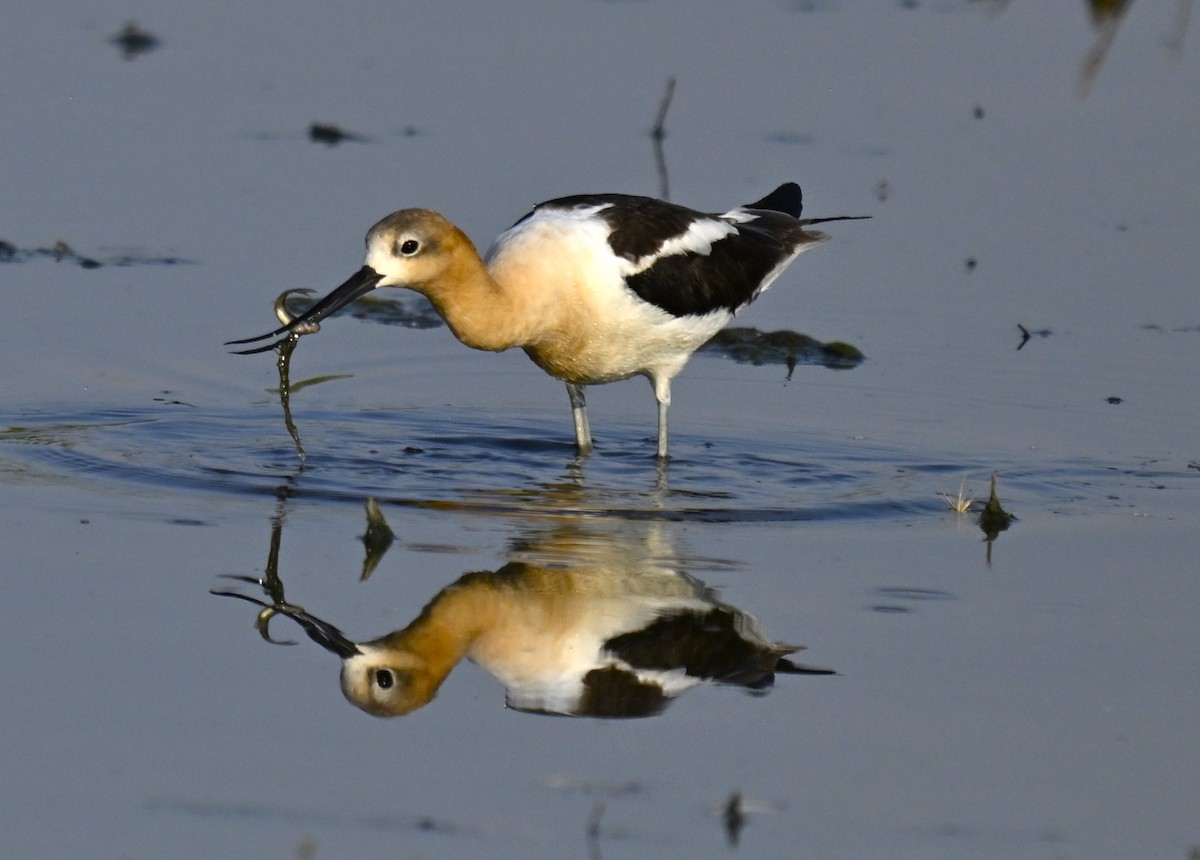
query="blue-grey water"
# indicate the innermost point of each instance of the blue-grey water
(1033, 695)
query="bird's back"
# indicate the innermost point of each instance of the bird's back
(690, 263)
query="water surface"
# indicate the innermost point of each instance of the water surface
(1032, 695)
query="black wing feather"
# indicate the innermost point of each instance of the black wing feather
(704, 644)
(728, 278)
(688, 284)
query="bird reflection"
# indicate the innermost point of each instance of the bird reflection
(600, 637)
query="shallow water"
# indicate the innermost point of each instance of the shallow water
(1031, 695)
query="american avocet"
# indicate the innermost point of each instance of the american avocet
(586, 641)
(595, 287)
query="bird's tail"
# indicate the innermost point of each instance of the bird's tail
(807, 221)
(787, 667)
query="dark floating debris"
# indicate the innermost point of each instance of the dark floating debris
(1164, 330)
(331, 135)
(882, 191)
(377, 539)
(748, 345)
(905, 592)
(971, 264)
(733, 817)
(167, 400)
(1026, 334)
(1114, 400)
(61, 252)
(134, 41)
(994, 519)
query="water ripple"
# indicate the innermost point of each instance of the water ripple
(461, 460)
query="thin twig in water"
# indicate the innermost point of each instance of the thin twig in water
(658, 134)
(593, 830)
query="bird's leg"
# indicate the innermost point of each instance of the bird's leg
(583, 435)
(662, 430)
(662, 393)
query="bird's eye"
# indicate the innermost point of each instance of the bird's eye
(384, 679)
(409, 247)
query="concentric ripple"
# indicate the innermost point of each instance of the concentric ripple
(463, 460)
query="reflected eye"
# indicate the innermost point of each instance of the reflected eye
(384, 679)
(409, 247)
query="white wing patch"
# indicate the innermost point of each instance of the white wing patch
(738, 216)
(699, 238)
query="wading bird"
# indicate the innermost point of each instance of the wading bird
(595, 288)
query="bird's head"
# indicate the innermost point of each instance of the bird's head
(388, 682)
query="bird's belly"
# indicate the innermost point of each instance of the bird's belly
(613, 349)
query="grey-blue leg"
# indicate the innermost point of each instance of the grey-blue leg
(662, 393)
(583, 435)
